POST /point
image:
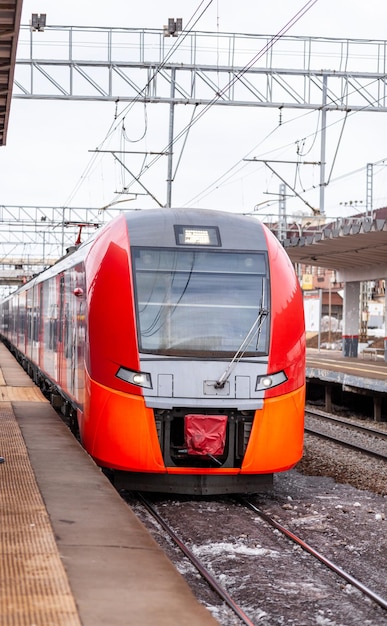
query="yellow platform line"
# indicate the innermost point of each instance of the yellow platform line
(9, 393)
(27, 394)
(34, 588)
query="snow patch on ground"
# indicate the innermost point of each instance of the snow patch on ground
(232, 549)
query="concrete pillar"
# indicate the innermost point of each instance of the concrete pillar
(351, 317)
(377, 408)
(328, 398)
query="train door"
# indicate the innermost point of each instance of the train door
(51, 357)
(68, 321)
(5, 319)
(77, 296)
(71, 338)
(61, 331)
(29, 322)
(65, 332)
(21, 321)
(34, 324)
(16, 337)
(12, 322)
(45, 353)
(40, 317)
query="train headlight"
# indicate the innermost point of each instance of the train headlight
(140, 379)
(270, 380)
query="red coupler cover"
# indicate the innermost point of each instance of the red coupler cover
(205, 434)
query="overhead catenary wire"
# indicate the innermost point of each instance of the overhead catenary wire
(180, 39)
(237, 76)
(337, 148)
(125, 134)
(228, 174)
(230, 170)
(118, 116)
(218, 182)
(238, 115)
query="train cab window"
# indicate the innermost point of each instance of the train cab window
(201, 301)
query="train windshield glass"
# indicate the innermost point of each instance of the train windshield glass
(201, 302)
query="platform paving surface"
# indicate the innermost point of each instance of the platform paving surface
(72, 551)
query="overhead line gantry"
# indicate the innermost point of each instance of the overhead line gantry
(201, 68)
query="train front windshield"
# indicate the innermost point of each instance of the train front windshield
(201, 302)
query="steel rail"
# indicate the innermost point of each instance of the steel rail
(347, 444)
(342, 442)
(343, 422)
(335, 568)
(199, 566)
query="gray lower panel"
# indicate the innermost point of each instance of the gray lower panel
(193, 484)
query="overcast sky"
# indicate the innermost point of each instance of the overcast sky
(49, 143)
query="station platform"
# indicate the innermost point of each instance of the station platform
(72, 551)
(365, 375)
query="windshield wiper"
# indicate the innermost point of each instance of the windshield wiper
(254, 330)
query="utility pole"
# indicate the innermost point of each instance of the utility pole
(369, 190)
(323, 144)
(170, 138)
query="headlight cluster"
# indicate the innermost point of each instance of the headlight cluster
(270, 380)
(140, 379)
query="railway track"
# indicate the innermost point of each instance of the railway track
(320, 557)
(246, 616)
(365, 439)
(199, 565)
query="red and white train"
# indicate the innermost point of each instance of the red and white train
(175, 340)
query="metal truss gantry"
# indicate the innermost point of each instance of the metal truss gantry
(32, 238)
(200, 68)
(203, 68)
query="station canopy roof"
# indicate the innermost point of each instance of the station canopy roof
(10, 16)
(346, 244)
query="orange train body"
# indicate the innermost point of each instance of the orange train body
(166, 322)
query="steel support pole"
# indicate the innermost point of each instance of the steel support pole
(170, 139)
(323, 145)
(369, 190)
